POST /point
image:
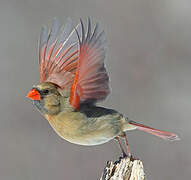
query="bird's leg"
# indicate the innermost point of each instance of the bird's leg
(127, 144)
(118, 140)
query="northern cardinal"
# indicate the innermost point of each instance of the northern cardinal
(72, 79)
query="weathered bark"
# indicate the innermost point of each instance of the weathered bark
(124, 169)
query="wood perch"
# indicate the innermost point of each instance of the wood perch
(124, 169)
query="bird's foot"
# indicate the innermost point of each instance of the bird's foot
(126, 154)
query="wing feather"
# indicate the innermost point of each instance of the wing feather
(91, 81)
(58, 54)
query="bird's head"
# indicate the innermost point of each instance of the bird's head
(46, 97)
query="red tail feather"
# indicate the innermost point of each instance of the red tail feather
(162, 134)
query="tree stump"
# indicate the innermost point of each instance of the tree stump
(124, 169)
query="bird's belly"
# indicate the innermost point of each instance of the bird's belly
(87, 140)
(83, 131)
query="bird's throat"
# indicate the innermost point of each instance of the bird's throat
(44, 109)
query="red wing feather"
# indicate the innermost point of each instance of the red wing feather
(58, 54)
(91, 81)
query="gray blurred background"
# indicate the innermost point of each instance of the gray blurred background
(149, 61)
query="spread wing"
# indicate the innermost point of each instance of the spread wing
(91, 81)
(58, 54)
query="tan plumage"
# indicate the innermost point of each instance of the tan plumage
(73, 79)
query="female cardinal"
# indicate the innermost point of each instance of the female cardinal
(72, 79)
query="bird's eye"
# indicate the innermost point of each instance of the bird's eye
(46, 91)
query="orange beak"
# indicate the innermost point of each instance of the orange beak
(33, 94)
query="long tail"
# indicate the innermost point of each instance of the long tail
(162, 134)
